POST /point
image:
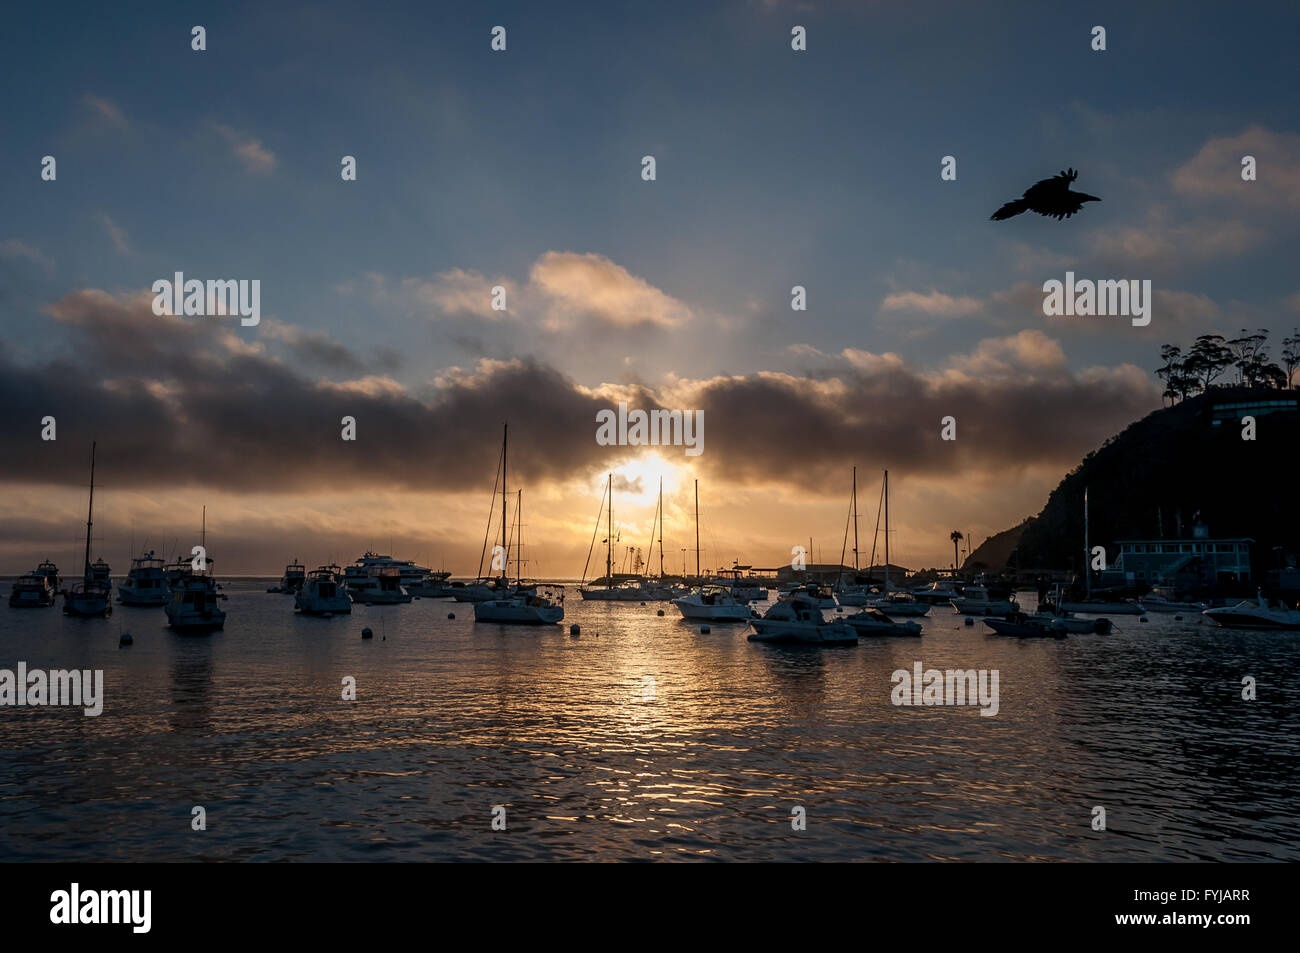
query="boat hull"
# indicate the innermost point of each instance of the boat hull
(1024, 630)
(804, 633)
(508, 612)
(1106, 608)
(698, 613)
(1237, 619)
(994, 607)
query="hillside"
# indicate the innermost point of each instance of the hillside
(1167, 468)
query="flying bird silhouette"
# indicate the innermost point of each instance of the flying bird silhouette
(1051, 197)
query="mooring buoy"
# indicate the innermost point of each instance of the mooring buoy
(366, 633)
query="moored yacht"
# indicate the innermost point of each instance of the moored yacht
(900, 604)
(408, 573)
(323, 593)
(49, 571)
(32, 591)
(613, 589)
(975, 600)
(432, 585)
(192, 606)
(540, 605)
(800, 619)
(294, 578)
(481, 590)
(712, 604)
(940, 592)
(872, 621)
(145, 583)
(1258, 613)
(383, 586)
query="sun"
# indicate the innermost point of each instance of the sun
(636, 481)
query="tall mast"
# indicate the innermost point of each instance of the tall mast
(886, 532)
(855, 526)
(1087, 553)
(519, 540)
(91, 510)
(609, 537)
(697, 530)
(661, 528)
(505, 527)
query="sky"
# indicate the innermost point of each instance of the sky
(523, 169)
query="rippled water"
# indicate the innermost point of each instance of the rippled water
(641, 739)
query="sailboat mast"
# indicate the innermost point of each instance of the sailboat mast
(519, 539)
(886, 532)
(609, 537)
(91, 510)
(697, 530)
(855, 526)
(505, 526)
(1087, 553)
(661, 528)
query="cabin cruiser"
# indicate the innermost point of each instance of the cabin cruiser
(100, 573)
(145, 583)
(50, 571)
(660, 591)
(821, 595)
(937, 593)
(900, 604)
(743, 588)
(854, 595)
(872, 621)
(1066, 622)
(975, 600)
(1259, 613)
(433, 585)
(1162, 599)
(799, 619)
(193, 603)
(1025, 627)
(524, 606)
(32, 591)
(712, 604)
(294, 578)
(408, 573)
(383, 586)
(323, 593)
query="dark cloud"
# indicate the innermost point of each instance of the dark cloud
(184, 401)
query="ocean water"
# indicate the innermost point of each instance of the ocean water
(641, 739)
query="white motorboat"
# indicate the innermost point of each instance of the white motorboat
(975, 600)
(712, 604)
(194, 603)
(145, 583)
(32, 591)
(1160, 599)
(1258, 613)
(93, 595)
(481, 590)
(940, 592)
(743, 588)
(383, 587)
(874, 622)
(821, 595)
(799, 619)
(542, 605)
(1065, 622)
(408, 573)
(433, 585)
(1105, 607)
(294, 578)
(323, 593)
(900, 604)
(852, 596)
(626, 590)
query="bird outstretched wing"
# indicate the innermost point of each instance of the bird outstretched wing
(1010, 209)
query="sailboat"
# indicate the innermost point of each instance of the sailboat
(492, 587)
(896, 602)
(91, 596)
(524, 605)
(627, 590)
(852, 594)
(1091, 605)
(660, 589)
(710, 603)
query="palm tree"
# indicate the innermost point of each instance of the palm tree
(956, 537)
